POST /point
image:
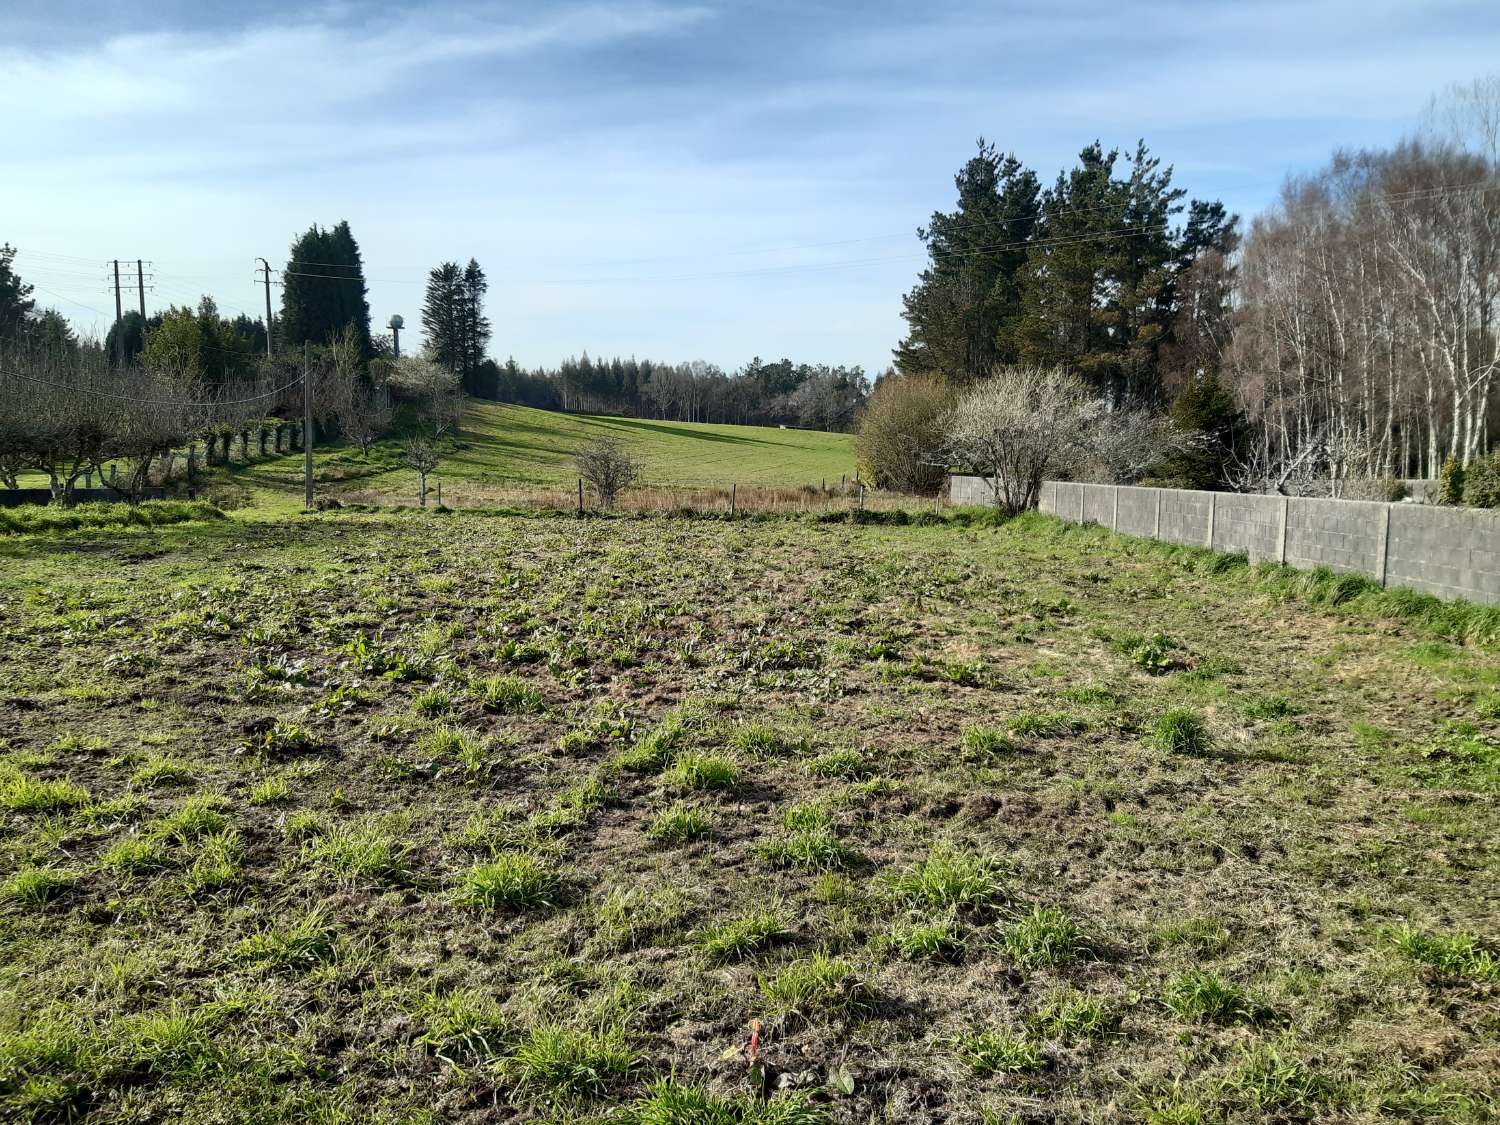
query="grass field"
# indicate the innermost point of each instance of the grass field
(506, 452)
(421, 817)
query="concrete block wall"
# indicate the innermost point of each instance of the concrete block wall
(1249, 524)
(1449, 552)
(1344, 535)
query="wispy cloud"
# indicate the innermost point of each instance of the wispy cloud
(559, 142)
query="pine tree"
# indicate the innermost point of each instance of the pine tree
(442, 316)
(1098, 290)
(15, 296)
(963, 311)
(476, 327)
(324, 290)
(1220, 433)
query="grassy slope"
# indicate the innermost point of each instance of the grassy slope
(535, 447)
(422, 901)
(503, 446)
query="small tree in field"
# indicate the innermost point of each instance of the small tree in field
(422, 457)
(608, 467)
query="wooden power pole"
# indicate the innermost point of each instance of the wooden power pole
(119, 332)
(266, 268)
(307, 435)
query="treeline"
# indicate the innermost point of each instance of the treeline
(1351, 337)
(809, 396)
(1098, 273)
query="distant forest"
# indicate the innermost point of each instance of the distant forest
(809, 396)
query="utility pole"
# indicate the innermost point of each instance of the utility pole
(307, 439)
(140, 284)
(266, 267)
(119, 332)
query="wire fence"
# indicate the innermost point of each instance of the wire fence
(722, 499)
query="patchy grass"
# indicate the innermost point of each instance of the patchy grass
(734, 939)
(394, 816)
(822, 987)
(512, 881)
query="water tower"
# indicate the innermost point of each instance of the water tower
(395, 325)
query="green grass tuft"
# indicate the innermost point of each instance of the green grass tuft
(679, 824)
(997, 1051)
(950, 877)
(1044, 938)
(24, 793)
(734, 939)
(1181, 731)
(511, 881)
(820, 987)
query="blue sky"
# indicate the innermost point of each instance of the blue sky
(679, 180)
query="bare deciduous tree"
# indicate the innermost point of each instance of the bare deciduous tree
(437, 391)
(608, 467)
(1024, 424)
(420, 455)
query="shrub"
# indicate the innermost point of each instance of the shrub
(1181, 731)
(512, 881)
(901, 431)
(1482, 482)
(1451, 482)
(608, 467)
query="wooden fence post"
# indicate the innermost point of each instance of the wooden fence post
(731, 501)
(580, 496)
